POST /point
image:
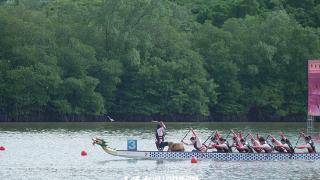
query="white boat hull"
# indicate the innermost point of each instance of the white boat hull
(213, 155)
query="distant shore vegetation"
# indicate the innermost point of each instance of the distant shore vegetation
(189, 57)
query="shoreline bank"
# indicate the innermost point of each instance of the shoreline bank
(56, 117)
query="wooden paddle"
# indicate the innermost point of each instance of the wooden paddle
(268, 137)
(228, 135)
(297, 142)
(295, 147)
(213, 132)
(161, 123)
(230, 148)
(245, 138)
(185, 135)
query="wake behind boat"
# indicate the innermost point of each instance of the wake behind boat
(233, 156)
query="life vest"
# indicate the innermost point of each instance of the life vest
(248, 149)
(159, 139)
(291, 148)
(279, 149)
(272, 147)
(240, 150)
(224, 150)
(312, 148)
(258, 150)
(256, 143)
(229, 147)
(237, 146)
(201, 149)
(268, 150)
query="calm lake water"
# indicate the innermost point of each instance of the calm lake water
(52, 151)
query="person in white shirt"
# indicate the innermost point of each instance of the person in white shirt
(160, 133)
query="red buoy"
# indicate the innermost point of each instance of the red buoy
(83, 153)
(194, 159)
(2, 148)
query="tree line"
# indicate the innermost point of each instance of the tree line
(165, 57)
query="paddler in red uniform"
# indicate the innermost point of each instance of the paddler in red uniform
(237, 142)
(278, 146)
(219, 143)
(286, 143)
(263, 146)
(246, 147)
(256, 144)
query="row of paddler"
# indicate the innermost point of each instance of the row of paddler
(239, 142)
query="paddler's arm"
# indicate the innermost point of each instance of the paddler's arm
(162, 124)
(257, 146)
(219, 146)
(251, 136)
(197, 138)
(218, 135)
(302, 146)
(188, 144)
(234, 134)
(241, 135)
(276, 142)
(258, 136)
(193, 132)
(233, 145)
(198, 141)
(210, 146)
(282, 135)
(302, 134)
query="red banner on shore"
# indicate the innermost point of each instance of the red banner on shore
(314, 87)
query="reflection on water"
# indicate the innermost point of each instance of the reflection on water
(52, 151)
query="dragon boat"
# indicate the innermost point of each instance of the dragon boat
(234, 156)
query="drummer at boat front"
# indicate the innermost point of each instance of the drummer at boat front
(309, 144)
(160, 133)
(196, 143)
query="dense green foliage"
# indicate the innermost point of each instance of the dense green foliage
(156, 56)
